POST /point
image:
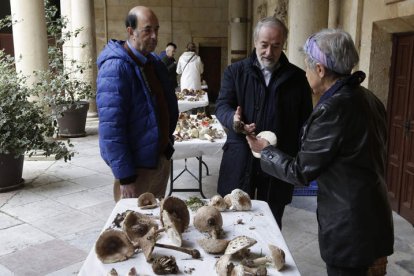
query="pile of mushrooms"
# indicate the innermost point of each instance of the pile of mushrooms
(134, 232)
(198, 127)
(237, 200)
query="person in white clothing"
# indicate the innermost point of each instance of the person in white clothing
(190, 67)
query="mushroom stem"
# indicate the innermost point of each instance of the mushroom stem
(260, 261)
(193, 252)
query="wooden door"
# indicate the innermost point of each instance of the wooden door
(211, 57)
(400, 164)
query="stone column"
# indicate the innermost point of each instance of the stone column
(305, 18)
(66, 11)
(333, 20)
(237, 30)
(82, 16)
(29, 36)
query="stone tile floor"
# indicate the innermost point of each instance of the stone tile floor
(49, 226)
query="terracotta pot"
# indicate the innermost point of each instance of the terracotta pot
(11, 170)
(73, 121)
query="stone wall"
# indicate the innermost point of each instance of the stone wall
(181, 21)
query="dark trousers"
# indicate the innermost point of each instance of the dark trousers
(346, 271)
(262, 189)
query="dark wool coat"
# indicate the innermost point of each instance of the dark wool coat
(128, 126)
(282, 107)
(344, 148)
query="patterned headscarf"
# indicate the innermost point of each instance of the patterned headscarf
(312, 49)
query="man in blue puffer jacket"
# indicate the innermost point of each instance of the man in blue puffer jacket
(137, 109)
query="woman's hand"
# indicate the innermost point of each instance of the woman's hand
(256, 144)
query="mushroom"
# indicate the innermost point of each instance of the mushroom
(223, 266)
(240, 200)
(147, 201)
(213, 246)
(269, 136)
(132, 272)
(218, 202)
(227, 200)
(113, 246)
(175, 218)
(164, 265)
(276, 258)
(147, 244)
(240, 245)
(136, 225)
(170, 227)
(208, 219)
(112, 272)
(178, 211)
(240, 270)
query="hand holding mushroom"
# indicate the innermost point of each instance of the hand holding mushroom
(259, 142)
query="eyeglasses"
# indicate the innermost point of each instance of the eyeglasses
(149, 29)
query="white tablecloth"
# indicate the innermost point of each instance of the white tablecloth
(258, 224)
(185, 105)
(198, 147)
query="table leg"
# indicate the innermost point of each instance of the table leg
(199, 178)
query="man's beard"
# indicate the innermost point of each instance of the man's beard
(265, 63)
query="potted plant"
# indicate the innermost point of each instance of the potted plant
(25, 127)
(61, 86)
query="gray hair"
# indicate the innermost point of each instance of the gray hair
(338, 48)
(270, 22)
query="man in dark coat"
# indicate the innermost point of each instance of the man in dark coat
(171, 63)
(265, 92)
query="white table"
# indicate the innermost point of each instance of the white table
(185, 105)
(195, 148)
(258, 224)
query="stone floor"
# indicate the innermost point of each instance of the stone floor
(49, 226)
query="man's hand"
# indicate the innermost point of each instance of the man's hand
(256, 144)
(128, 191)
(239, 126)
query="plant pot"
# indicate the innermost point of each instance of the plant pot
(11, 170)
(73, 120)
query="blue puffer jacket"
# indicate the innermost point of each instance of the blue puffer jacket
(128, 128)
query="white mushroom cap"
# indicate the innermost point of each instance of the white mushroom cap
(240, 200)
(227, 200)
(277, 256)
(239, 243)
(208, 219)
(269, 136)
(218, 202)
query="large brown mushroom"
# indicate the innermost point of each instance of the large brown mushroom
(208, 219)
(178, 211)
(136, 225)
(113, 246)
(175, 218)
(147, 201)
